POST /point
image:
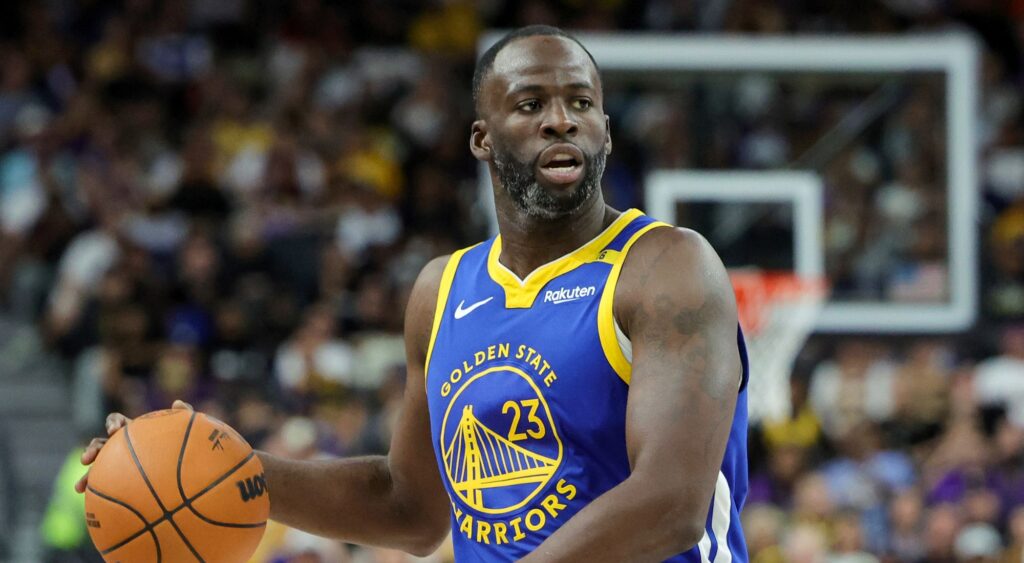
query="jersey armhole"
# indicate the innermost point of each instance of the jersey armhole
(443, 290)
(741, 343)
(625, 345)
(608, 328)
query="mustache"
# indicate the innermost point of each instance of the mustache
(535, 161)
(586, 155)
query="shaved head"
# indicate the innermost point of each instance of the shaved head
(486, 62)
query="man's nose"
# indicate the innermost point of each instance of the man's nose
(559, 122)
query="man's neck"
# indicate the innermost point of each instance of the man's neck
(528, 243)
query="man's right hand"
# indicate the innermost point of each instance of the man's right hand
(115, 422)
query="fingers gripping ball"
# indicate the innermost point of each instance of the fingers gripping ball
(176, 486)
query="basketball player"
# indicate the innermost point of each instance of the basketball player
(576, 386)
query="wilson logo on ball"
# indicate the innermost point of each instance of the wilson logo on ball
(91, 520)
(252, 487)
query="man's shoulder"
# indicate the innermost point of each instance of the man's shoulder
(431, 276)
(429, 281)
(420, 310)
(669, 248)
(671, 261)
(433, 270)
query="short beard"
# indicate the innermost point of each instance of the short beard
(520, 182)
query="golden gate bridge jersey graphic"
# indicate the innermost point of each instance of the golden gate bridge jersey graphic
(479, 458)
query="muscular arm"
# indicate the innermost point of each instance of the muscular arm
(675, 302)
(395, 501)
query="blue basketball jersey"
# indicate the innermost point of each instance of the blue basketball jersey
(527, 382)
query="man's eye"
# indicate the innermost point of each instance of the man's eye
(582, 103)
(531, 105)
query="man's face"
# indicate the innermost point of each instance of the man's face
(544, 123)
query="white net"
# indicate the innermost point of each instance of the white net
(777, 312)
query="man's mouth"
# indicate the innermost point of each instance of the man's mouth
(561, 164)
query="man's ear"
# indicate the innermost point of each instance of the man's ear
(607, 135)
(480, 141)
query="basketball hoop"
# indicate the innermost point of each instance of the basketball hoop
(777, 312)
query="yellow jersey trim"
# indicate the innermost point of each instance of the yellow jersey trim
(520, 294)
(447, 277)
(605, 314)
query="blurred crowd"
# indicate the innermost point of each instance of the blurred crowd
(228, 202)
(910, 452)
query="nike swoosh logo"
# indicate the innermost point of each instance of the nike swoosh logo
(460, 312)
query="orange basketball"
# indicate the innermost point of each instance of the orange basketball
(175, 486)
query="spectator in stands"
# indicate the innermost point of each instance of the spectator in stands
(978, 543)
(942, 522)
(63, 529)
(1005, 299)
(905, 526)
(315, 362)
(1015, 546)
(848, 544)
(763, 525)
(805, 543)
(921, 393)
(856, 386)
(998, 380)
